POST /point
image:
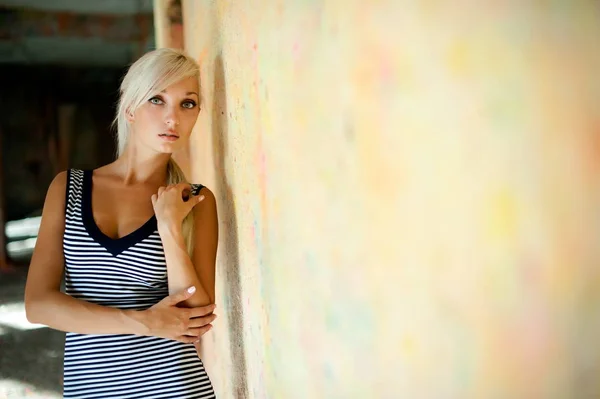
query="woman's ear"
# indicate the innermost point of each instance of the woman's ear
(129, 116)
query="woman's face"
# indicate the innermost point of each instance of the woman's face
(164, 122)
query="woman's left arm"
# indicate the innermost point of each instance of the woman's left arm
(198, 270)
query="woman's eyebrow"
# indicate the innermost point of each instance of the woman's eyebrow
(187, 94)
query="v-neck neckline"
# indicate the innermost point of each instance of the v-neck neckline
(113, 245)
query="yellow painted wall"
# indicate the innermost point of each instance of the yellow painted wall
(408, 193)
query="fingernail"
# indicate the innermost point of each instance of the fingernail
(200, 198)
(191, 289)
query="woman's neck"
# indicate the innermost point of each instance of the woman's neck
(135, 168)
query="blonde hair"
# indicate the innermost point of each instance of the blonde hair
(146, 77)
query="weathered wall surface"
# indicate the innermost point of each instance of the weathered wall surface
(408, 197)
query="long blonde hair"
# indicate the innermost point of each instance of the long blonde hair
(146, 77)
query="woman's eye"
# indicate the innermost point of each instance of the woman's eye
(189, 104)
(155, 100)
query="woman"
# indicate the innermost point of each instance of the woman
(132, 237)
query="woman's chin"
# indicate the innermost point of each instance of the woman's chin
(168, 148)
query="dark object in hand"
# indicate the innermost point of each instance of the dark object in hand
(186, 194)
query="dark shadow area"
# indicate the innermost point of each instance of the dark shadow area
(60, 70)
(228, 215)
(55, 117)
(34, 356)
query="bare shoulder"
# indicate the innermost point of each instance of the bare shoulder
(57, 189)
(208, 194)
(208, 204)
(47, 261)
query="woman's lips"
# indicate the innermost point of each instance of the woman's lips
(169, 136)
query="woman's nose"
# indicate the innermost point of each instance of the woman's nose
(172, 117)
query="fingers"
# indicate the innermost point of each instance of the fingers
(193, 201)
(181, 296)
(202, 310)
(198, 331)
(185, 189)
(187, 340)
(190, 339)
(186, 193)
(182, 186)
(201, 321)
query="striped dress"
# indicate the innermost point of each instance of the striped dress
(127, 273)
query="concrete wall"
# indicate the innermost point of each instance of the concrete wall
(408, 195)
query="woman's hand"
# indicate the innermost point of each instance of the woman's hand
(169, 206)
(166, 320)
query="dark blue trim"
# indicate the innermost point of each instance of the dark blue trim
(112, 245)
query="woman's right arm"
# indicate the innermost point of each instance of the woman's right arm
(46, 304)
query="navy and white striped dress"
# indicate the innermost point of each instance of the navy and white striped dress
(127, 273)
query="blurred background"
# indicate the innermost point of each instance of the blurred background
(60, 67)
(408, 192)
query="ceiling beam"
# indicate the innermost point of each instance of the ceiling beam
(16, 24)
(83, 6)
